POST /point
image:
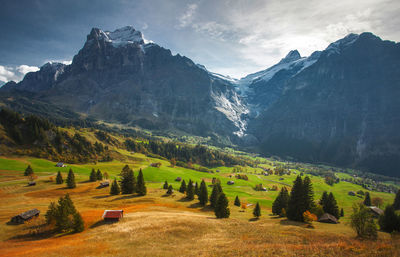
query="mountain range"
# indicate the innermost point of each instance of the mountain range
(338, 106)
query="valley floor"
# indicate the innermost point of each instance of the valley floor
(156, 225)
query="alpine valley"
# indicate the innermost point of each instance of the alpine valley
(338, 106)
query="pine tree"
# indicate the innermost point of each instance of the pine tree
(28, 171)
(170, 190)
(93, 176)
(367, 200)
(190, 190)
(217, 189)
(203, 195)
(296, 204)
(396, 203)
(59, 178)
(324, 198)
(64, 214)
(389, 221)
(281, 202)
(257, 211)
(141, 187)
(237, 201)
(165, 186)
(221, 209)
(182, 189)
(115, 190)
(71, 179)
(308, 194)
(51, 213)
(196, 189)
(341, 213)
(78, 225)
(128, 182)
(331, 206)
(99, 175)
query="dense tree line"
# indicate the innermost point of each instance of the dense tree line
(187, 154)
(38, 137)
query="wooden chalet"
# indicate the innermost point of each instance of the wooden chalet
(113, 215)
(61, 165)
(25, 216)
(375, 211)
(328, 218)
(104, 184)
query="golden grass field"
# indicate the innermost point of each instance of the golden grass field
(155, 225)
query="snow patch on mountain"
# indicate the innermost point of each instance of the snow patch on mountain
(338, 46)
(232, 107)
(124, 36)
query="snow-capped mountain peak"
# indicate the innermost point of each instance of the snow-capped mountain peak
(293, 55)
(119, 37)
(338, 46)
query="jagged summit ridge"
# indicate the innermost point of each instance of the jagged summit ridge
(119, 37)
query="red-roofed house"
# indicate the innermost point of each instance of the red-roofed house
(113, 215)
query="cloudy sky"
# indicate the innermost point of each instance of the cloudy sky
(229, 37)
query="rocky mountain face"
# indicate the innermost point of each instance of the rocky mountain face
(338, 106)
(342, 109)
(119, 77)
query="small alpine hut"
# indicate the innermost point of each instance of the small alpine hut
(230, 182)
(178, 179)
(104, 184)
(25, 216)
(61, 165)
(375, 211)
(328, 218)
(113, 215)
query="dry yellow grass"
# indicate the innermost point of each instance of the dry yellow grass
(168, 226)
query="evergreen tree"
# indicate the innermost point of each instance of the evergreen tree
(115, 190)
(257, 211)
(28, 171)
(190, 190)
(396, 203)
(165, 186)
(341, 213)
(93, 176)
(141, 187)
(221, 209)
(296, 204)
(281, 202)
(59, 178)
(71, 179)
(128, 181)
(182, 189)
(64, 214)
(196, 189)
(331, 206)
(367, 200)
(324, 198)
(308, 193)
(99, 175)
(51, 213)
(217, 189)
(389, 221)
(203, 195)
(237, 201)
(170, 190)
(77, 223)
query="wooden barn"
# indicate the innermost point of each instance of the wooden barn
(375, 211)
(25, 216)
(328, 218)
(104, 184)
(113, 215)
(61, 165)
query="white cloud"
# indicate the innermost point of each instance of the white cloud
(187, 18)
(15, 73)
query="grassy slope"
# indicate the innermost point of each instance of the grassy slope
(236, 236)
